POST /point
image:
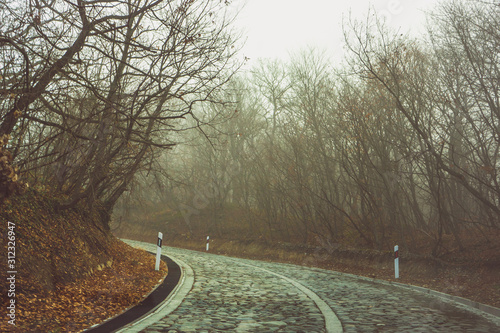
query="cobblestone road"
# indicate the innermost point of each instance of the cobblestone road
(238, 295)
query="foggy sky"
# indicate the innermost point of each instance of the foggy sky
(273, 28)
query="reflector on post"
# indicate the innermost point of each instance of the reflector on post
(158, 251)
(396, 262)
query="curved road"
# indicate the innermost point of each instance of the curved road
(219, 293)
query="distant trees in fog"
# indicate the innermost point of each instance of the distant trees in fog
(403, 141)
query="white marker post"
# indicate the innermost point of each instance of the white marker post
(396, 262)
(158, 251)
(208, 240)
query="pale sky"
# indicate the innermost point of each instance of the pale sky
(273, 28)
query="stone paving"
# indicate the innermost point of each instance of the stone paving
(239, 295)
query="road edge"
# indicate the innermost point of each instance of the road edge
(489, 312)
(169, 304)
(155, 298)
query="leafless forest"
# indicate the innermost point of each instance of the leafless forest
(140, 106)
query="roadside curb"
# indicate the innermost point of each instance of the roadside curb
(485, 310)
(491, 310)
(152, 301)
(168, 305)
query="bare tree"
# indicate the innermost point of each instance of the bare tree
(112, 79)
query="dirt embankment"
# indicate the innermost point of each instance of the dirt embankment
(66, 270)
